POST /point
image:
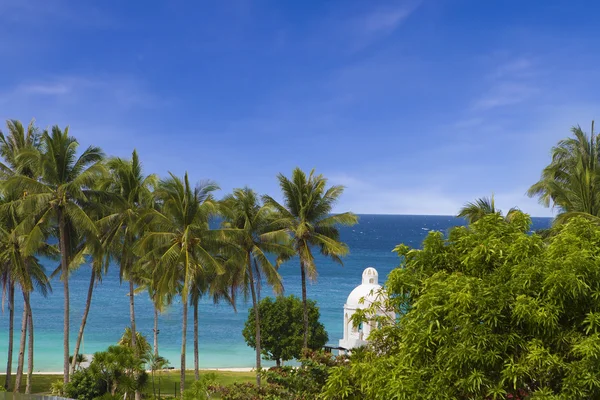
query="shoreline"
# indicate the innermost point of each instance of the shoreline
(231, 369)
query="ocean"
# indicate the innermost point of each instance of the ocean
(220, 327)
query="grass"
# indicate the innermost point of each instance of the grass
(168, 380)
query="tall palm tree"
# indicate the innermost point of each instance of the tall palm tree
(60, 195)
(474, 211)
(160, 301)
(246, 223)
(179, 235)
(18, 140)
(18, 252)
(95, 250)
(132, 197)
(306, 216)
(571, 182)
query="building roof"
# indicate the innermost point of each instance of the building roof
(369, 290)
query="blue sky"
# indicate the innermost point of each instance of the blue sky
(415, 106)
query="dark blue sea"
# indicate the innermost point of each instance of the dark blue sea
(221, 342)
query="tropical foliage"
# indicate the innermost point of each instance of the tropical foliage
(306, 215)
(489, 311)
(571, 182)
(281, 326)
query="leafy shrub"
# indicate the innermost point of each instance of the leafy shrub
(488, 312)
(249, 391)
(281, 328)
(202, 388)
(56, 387)
(83, 385)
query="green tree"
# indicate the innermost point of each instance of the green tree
(571, 182)
(306, 216)
(281, 323)
(119, 370)
(474, 211)
(17, 141)
(139, 346)
(130, 196)
(248, 225)
(18, 251)
(60, 195)
(488, 312)
(180, 238)
(156, 363)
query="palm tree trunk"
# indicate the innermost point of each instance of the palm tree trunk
(64, 252)
(256, 320)
(183, 347)
(196, 361)
(132, 317)
(21, 358)
(11, 331)
(86, 311)
(304, 305)
(155, 331)
(30, 346)
(138, 395)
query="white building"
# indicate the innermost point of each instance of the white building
(360, 298)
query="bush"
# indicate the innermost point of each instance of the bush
(202, 388)
(488, 312)
(56, 387)
(281, 328)
(249, 391)
(83, 385)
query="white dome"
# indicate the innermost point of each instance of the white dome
(369, 290)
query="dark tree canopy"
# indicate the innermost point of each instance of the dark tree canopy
(281, 328)
(488, 312)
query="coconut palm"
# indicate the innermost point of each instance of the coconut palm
(571, 182)
(139, 346)
(17, 141)
(180, 237)
(132, 192)
(215, 285)
(306, 216)
(245, 223)
(160, 301)
(18, 251)
(93, 249)
(474, 211)
(156, 363)
(60, 195)
(78, 360)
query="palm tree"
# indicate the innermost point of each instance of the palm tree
(571, 182)
(156, 363)
(94, 249)
(78, 360)
(246, 223)
(179, 236)
(216, 285)
(474, 211)
(18, 252)
(60, 195)
(132, 196)
(306, 216)
(16, 142)
(139, 346)
(160, 301)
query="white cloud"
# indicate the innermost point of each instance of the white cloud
(386, 21)
(363, 197)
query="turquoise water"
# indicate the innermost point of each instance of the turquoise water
(220, 331)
